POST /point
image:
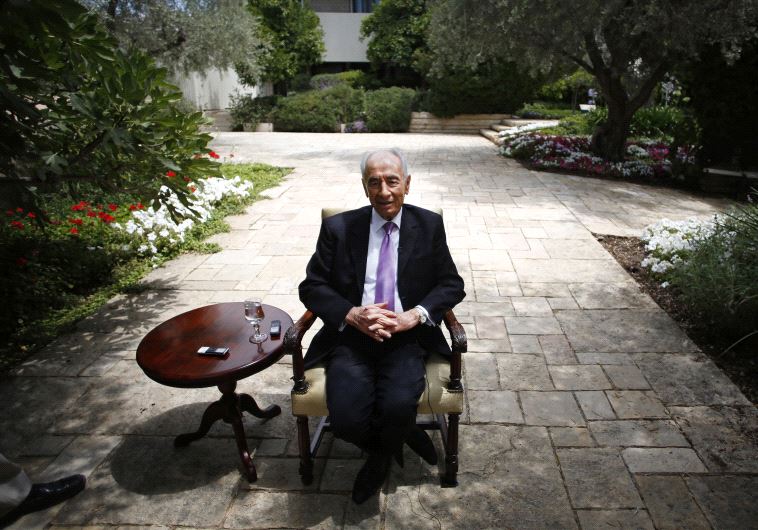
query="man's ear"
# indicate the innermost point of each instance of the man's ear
(365, 188)
(407, 184)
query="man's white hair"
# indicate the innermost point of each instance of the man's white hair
(394, 151)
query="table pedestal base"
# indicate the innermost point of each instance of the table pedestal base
(229, 409)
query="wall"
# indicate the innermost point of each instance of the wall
(342, 37)
(213, 89)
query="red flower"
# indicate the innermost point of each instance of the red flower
(192, 189)
(213, 154)
(22, 261)
(186, 179)
(106, 218)
(91, 214)
(170, 174)
(31, 215)
(9, 212)
(19, 210)
(17, 225)
(132, 207)
(113, 207)
(139, 206)
(76, 221)
(79, 207)
(73, 230)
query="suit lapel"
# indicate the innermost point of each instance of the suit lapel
(358, 244)
(408, 235)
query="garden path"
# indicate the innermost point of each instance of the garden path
(586, 404)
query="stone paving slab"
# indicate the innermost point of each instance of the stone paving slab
(586, 405)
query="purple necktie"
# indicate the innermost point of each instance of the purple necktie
(385, 270)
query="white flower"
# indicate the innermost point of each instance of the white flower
(147, 225)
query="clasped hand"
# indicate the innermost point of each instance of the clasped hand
(378, 322)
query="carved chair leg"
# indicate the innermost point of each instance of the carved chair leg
(450, 478)
(304, 444)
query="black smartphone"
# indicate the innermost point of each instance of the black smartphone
(213, 352)
(276, 329)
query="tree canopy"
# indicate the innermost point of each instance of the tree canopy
(293, 32)
(397, 31)
(627, 45)
(186, 35)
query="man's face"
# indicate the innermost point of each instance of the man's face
(384, 184)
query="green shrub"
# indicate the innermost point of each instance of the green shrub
(570, 88)
(347, 101)
(251, 110)
(574, 125)
(492, 88)
(546, 111)
(351, 78)
(76, 109)
(719, 280)
(389, 109)
(662, 123)
(318, 110)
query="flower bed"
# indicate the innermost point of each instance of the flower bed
(62, 262)
(646, 159)
(668, 243)
(713, 265)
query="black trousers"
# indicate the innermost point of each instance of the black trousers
(372, 390)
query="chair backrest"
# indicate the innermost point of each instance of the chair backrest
(328, 212)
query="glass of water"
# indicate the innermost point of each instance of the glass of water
(254, 314)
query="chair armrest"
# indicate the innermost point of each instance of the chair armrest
(293, 346)
(458, 338)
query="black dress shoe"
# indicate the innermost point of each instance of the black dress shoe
(371, 477)
(45, 495)
(422, 445)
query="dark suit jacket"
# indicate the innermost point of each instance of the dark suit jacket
(336, 273)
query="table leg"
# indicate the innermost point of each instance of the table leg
(248, 404)
(244, 452)
(215, 411)
(229, 409)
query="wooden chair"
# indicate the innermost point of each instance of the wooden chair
(443, 395)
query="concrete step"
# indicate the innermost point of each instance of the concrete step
(491, 135)
(516, 122)
(425, 122)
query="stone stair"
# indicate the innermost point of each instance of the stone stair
(426, 122)
(492, 133)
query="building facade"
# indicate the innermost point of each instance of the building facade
(341, 22)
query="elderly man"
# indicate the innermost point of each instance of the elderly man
(381, 280)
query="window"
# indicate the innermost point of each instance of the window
(364, 6)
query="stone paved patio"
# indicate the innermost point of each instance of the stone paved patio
(586, 405)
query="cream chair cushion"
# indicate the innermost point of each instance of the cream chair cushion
(436, 399)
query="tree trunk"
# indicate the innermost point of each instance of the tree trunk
(609, 139)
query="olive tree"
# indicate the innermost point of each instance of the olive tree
(626, 45)
(186, 35)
